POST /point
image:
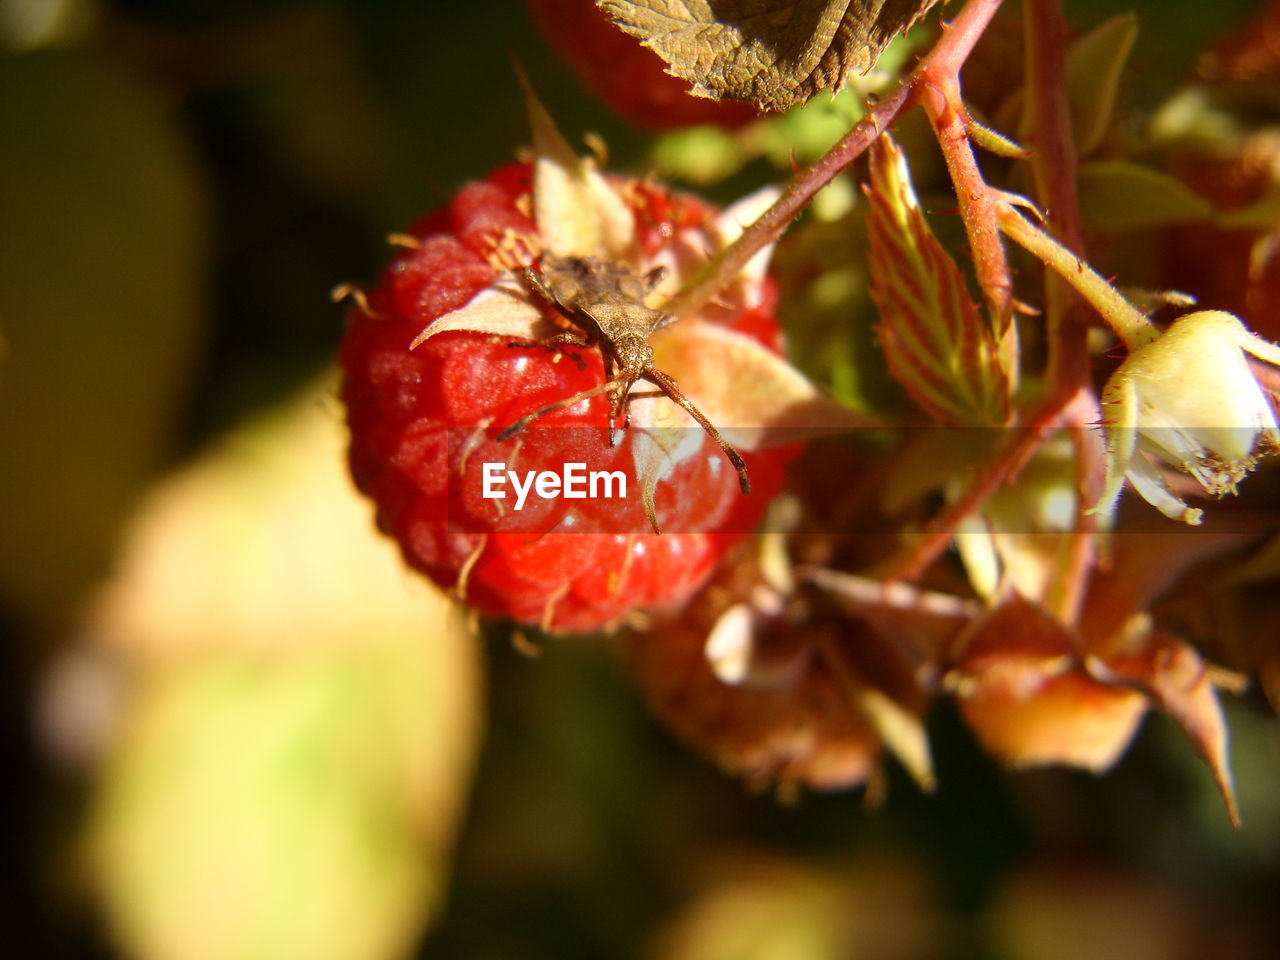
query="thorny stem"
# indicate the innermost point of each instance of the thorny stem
(940, 96)
(945, 59)
(1074, 407)
(1128, 322)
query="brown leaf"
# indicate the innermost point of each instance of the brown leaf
(1177, 679)
(773, 53)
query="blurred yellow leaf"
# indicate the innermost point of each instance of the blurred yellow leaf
(288, 776)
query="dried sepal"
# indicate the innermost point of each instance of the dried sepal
(1022, 691)
(1179, 682)
(577, 211)
(502, 309)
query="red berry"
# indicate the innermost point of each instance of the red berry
(423, 421)
(629, 77)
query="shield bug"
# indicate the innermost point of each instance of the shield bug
(605, 304)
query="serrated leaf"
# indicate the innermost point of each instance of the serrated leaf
(774, 53)
(577, 212)
(1095, 63)
(1116, 195)
(934, 338)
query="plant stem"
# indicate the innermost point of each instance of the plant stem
(1134, 329)
(940, 96)
(1047, 129)
(946, 58)
(911, 562)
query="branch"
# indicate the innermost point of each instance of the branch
(946, 58)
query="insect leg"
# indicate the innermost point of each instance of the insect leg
(672, 390)
(524, 421)
(555, 340)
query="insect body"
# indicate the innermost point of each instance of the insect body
(605, 301)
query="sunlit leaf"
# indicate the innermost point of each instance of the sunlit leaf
(289, 769)
(935, 340)
(774, 53)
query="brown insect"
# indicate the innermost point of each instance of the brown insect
(605, 302)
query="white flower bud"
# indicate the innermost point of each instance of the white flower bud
(1190, 399)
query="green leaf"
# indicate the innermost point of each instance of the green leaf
(1116, 196)
(700, 155)
(774, 53)
(1095, 64)
(934, 338)
(1262, 215)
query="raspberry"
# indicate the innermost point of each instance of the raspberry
(627, 76)
(423, 420)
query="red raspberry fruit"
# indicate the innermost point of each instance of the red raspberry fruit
(424, 419)
(629, 77)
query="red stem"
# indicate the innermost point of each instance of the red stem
(940, 95)
(916, 558)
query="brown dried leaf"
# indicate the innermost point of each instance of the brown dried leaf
(774, 53)
(1177, 679)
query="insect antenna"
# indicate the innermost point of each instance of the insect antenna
(672, 390)
(513, 429)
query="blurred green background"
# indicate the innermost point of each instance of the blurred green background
(181, 184)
